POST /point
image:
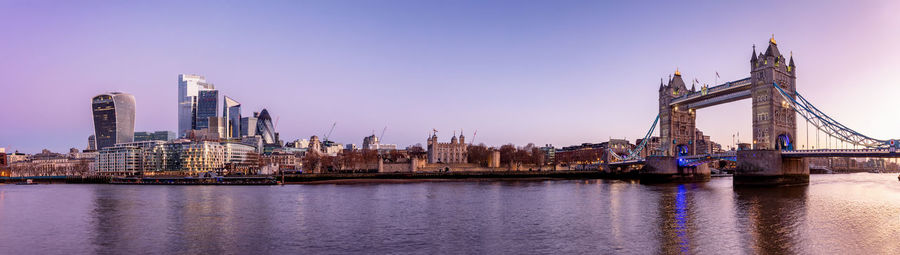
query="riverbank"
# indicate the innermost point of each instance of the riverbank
(356, 178)
(332, 178)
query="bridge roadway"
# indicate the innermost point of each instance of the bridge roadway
(719, 94)
(842, 153)
(822, 153)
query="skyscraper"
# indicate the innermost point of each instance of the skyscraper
(265, 128)
(248, 125)
(231, 115)
(189, 87)
(113, 118)
(207, 106)
(92, 143)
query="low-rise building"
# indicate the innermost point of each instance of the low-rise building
(4, 167)
(154, 136)
(241, 158)
(47, 163)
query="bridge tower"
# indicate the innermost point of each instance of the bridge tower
(676, 125)
(774, 122)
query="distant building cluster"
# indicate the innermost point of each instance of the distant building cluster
(213, 136)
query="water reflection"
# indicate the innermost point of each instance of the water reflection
(836, 214)
(675, 213)
(774, 217)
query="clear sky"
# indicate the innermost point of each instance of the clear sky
(557, 72)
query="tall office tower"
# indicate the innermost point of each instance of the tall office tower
(231, 115)
(189, 87)
(113, 118)
(207, 106)
(248, 125)
(265, 128)
(92, 143)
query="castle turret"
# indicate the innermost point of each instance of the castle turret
(791, 67)
(753, 57)
(462, 138)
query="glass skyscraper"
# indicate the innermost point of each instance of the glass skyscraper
(248, 125)
(207, 106)
(189, 87)
(113, 118)
(265, 128)
(231, 115)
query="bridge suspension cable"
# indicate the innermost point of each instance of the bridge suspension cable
(827, 124)
(634, 154)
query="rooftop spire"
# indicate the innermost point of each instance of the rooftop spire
(773, 39)
(677, 73)
(753, 56)
(792, 59)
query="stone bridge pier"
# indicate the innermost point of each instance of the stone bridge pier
(769, 168)
(665, 169)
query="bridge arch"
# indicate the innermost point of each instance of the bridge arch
(682, 150)
(784, 142)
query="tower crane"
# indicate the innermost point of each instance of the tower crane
(329, 132)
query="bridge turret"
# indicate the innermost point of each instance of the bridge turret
(753, 58)
(791, 67)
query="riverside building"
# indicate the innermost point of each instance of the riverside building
(179, 157)
(154, 136)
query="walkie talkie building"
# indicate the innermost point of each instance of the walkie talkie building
(113, 118)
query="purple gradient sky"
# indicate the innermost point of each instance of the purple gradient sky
(560, 72)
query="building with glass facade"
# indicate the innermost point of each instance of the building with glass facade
(207, 106)
(92, 143)
(179, 157)
(231, 115)
(131, 158)
(196, 157)
(189, 87)
(113, 115)
(248, 126)
(154, 136)
(240, 158)
(265, 128)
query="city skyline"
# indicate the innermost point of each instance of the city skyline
(542, 75)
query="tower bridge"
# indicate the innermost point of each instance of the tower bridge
(773, 159)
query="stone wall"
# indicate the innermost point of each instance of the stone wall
(768, 167)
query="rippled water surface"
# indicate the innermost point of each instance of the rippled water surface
(835, 214)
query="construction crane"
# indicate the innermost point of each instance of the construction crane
(381, 138)
(329, 132)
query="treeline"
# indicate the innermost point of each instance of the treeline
(510, 155)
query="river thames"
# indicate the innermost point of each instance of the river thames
(849, 213)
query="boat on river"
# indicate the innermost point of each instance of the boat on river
(27, 182)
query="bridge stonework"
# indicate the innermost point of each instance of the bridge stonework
(774, 124)
(676, 124)
(774, 121)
